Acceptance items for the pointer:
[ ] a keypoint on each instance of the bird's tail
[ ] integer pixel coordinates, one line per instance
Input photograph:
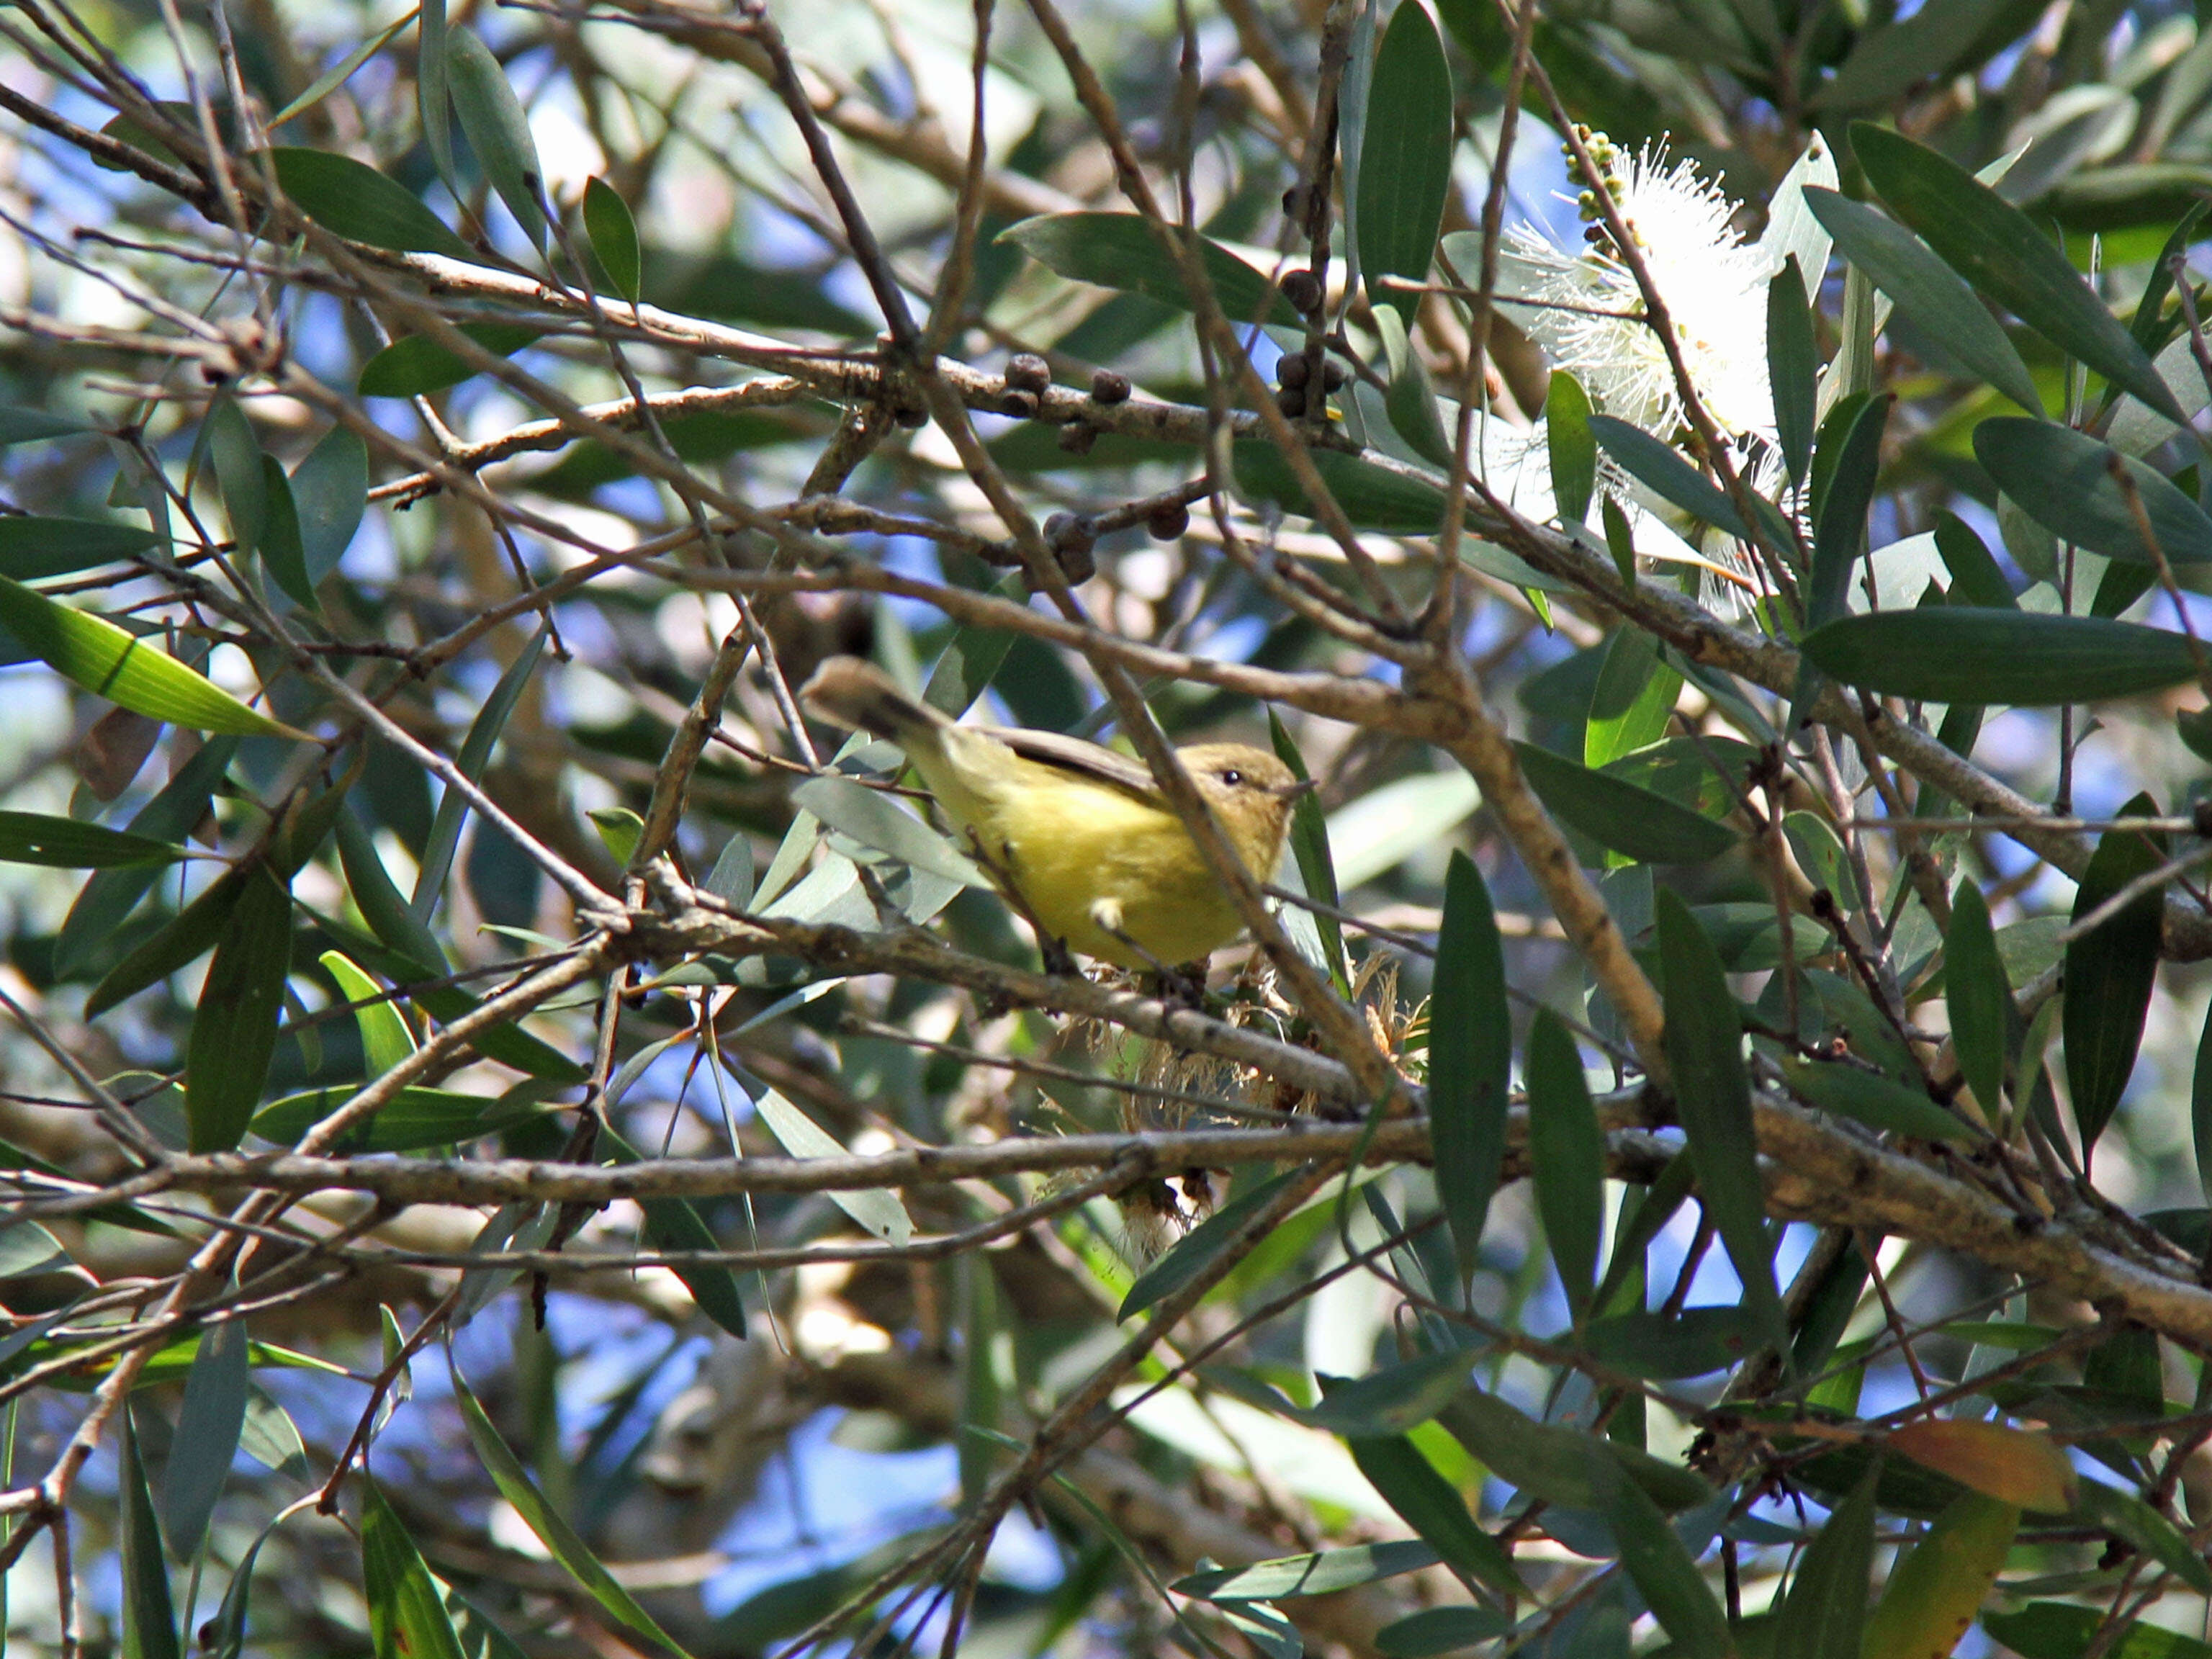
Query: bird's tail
(849, 692)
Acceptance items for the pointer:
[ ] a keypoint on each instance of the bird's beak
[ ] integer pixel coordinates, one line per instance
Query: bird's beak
(1303, 787)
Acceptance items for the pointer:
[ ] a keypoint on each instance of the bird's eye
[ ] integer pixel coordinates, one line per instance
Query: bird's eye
(1232, 777)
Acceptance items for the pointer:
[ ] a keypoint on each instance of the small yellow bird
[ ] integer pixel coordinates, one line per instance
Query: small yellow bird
(1096, 855)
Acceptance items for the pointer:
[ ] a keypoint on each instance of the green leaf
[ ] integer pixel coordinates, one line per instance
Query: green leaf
(445, 836)
(1566, 1150)
(283, 551)
(415, 1118)
(418, 365)
(1626, 817)
(115, 664)
(1703, 1041)
(874, 819)
(878, 1209)
(358, 202)
(65, 844)
(1976, 579)
(341, 72)
(2129, 1519)
(1405, 158)
(553, 1531)
(1633, 699)
(434, 102)
(329, 492)
(193, 932)
(1558, 1464)
(2063, 479)
(1825, 1609)
(2065, 1630)
(1997, 248)
(233, 1035)
(607, 222)
(239, 471)
(1126, 251)
(149, 1617)
(1428, 1503)
(1979, 997)
(2110, 972)
(385, 1042)
(1373, 496)
(1310, 847)
(1664, 1573)
(1894, 56)
(1572, 446)
(2025, 659)
(32, 547)
(1695, 1342)
(209, 1424)
(169, 816)
(1410, 399)
(1391, 1401)
(1191, 1255)
(1840, 523)
(19, 425)
(1307, 1575)
(497, 130)
(407, 1618)
(1876, 1100)
(1439, 1630)
(1658, 465)
(675, 1224)
(1927, 291)
(1793, 368)
(1470, 1057)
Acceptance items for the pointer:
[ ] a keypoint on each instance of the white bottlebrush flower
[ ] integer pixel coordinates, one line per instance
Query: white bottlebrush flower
(1584, 309)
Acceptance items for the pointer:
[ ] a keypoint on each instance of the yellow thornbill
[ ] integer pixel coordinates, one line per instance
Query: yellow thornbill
(1092, 849)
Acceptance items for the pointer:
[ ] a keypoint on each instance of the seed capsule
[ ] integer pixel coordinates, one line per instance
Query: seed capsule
(1304, 290)
(1109, 387)
(1027, 372)
(1168, 521)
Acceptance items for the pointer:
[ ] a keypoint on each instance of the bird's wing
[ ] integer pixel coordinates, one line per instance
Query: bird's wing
(1090, 759)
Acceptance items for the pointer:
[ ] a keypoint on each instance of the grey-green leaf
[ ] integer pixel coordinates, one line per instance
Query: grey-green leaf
(1307, 1575)
(1656, 464)
(607, 222)
(149, 1616)
(1567, 1149)
(355, 201)
(209, 1424)
(1876, 1100)
(65, 844)
(1979, 997)
(1405, 157)
(2024, 659)
(1927, 291)
(1998, 249)
(1793, 369)
(1626, 817)
(1125, 251)
(1825, 1609)
(329, 492)
(407, 1618)
(2110, 972)
(2063, 480)
(1703, 1040)
(32, 547)
(1470, 1057)
(497, 130)
(1573, 445)
(235, 1035)
(1428, 1503)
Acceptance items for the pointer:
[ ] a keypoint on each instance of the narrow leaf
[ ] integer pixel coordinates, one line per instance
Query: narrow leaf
(2024, 659)
(209, 1424)
(1929, 292)
(878, 1209)
(1825, 1609)
(329, 492)
(32, 547)
(1573, 445)
(1936, 1588)
(1627, 817)
(497, 130)
(149, 1617)
(607, 222)
(357, 202)
(2109, 973)
(407, 1617)
(484, 732)
(1703, 1040)
(1470, 1057)
(417, 364)
(65, 844)
(1978, 996)
(1191, 1254)
(1427, 1503)
(560, 1539)
(283, 551)
(1656, 465)
(1566, 1148)
(1876, 1100)
(2029, 1471)
(2063, 479)
(1392, 1400)
(1123, 251)
(1997, 248)
(1839, 533)
(1307, 1575)
(1439, 1630)
(1405, 157)
(675, 1224)
(234, 1033)
(1793, 368)
(112, 663)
